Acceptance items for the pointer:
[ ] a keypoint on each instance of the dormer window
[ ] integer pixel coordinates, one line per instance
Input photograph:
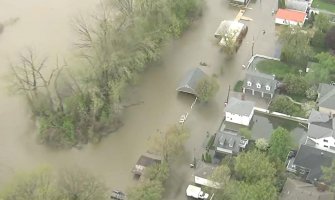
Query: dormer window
(258, 85)
(249, 83)
(267, 87)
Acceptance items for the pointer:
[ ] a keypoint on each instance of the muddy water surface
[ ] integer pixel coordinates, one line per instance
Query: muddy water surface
(47, 26)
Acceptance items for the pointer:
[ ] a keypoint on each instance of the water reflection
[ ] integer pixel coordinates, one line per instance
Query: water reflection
(263, 125)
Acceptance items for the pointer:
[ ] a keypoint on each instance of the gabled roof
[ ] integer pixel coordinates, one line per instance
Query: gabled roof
(148, 160)
(312, 158)
(190, 81)
(317, 116)
(316, 131)
(255, 77)
(326, 96)
(240, 107)
(297, 190)
(227, 141)
(291, 15)
(296, 5)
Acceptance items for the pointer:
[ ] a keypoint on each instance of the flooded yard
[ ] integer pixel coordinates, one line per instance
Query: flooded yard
(262, 125)
(47, 27)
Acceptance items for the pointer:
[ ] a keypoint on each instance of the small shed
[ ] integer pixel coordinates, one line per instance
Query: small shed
(190, 82)
(146, 160)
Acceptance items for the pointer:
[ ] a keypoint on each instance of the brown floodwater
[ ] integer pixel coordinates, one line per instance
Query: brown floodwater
(47, 27)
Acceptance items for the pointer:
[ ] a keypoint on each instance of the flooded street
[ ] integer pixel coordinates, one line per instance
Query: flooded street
(47, 26)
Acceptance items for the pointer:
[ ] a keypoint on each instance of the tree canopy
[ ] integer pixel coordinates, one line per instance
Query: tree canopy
(329, 175)
(330, 38)
(296, 46)
(207, 89)
(253, 166)
(259, 190)
(44, 184)
(296, 85)
(280, 144)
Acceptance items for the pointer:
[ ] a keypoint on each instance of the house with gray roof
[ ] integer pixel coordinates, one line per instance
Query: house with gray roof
(229, 142)
(239, 111)
(145, 160)
(296, 5)
(321, 131)
(190, 82)
(309, 160)
(297, 190)
(261, 83)
(326, 98)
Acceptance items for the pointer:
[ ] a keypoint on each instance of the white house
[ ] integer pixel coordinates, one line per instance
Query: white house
(321, 131)
(290, 17)
(239, 111)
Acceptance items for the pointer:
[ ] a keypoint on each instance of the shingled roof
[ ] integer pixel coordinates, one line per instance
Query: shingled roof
(297, 190)
(326, 96)
(312, 159)
(240, 107)
(190, 82)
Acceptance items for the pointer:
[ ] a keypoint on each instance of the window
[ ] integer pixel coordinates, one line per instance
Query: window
(249, 83)
(258, 85)
(325, 146)
(267, 87)
(325, 140)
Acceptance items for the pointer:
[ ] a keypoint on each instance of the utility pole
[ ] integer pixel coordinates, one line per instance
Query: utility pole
(228, 94)
(252, 45)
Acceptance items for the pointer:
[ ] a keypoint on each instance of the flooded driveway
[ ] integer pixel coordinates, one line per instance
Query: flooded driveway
(115, 156)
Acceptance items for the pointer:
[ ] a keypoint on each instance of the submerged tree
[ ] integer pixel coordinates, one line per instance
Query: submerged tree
(207, 88)
(171, 143)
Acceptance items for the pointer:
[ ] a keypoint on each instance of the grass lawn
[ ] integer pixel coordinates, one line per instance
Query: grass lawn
(278, 68)
(324, 5)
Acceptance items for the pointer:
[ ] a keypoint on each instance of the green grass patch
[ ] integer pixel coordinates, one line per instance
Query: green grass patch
(238, 86)
(278, 68)
(298, 98)
(324, 5)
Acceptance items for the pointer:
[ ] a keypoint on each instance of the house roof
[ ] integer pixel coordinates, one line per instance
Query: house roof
(317, 131)
(255, 77)
(326, 96)
(296, 5)
(204, 170)
(228, 26)
(291, 15)
(312, 158)
(317, 116)
(227, 141)
(240, 107)
(297, 190)
(148, 160)
(190, 81)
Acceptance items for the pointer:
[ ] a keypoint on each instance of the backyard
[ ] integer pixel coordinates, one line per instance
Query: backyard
(278, 68)
(327, 5)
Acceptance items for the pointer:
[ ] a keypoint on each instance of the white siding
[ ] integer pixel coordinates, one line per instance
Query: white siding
(325, 143)
(206, 182)
(238, 119)
(285, 22)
